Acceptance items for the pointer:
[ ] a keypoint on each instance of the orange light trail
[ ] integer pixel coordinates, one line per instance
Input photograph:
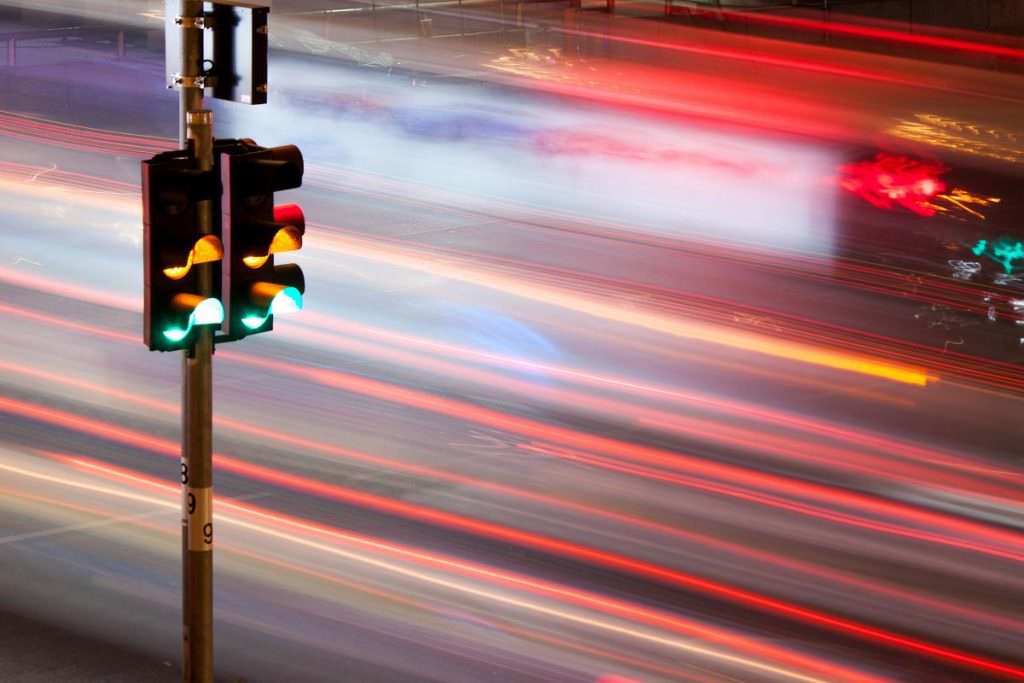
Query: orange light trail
(695, 331)
(688, 329)
(670, 459)
(21, 126)
(702, 428)
(858, 364)
(347, 330)
(863, 276)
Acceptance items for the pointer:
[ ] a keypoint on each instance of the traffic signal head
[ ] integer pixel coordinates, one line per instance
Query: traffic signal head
(173, 246)
(254, 230)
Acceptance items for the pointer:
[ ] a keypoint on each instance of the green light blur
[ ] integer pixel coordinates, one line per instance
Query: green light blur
(208, 312)
(1005, 252)
(176, 334)
(288, 300)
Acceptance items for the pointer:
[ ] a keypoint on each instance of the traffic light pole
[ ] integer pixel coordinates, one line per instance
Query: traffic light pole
(196, 130)
(183, 198)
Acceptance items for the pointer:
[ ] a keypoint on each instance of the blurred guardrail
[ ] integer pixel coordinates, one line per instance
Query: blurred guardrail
(396, 20)
(1003, 16)
(65, 36)
(962, 32)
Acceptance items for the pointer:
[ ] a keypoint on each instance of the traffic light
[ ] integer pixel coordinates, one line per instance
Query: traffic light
(173, 246)
(255, 290)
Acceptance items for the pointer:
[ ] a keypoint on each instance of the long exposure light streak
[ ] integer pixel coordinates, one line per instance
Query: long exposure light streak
(747, 56)
(672, 577)
(659, 458)
(689, 329)
(699, 428)
(30, 128)
(897, 351)
(12, 275)
(347, 329)
(475, 571)
(938, 363)
(22, 180)
(836, 25)
(529, 496)
(681, 328)
(994, 667)
(610, 398)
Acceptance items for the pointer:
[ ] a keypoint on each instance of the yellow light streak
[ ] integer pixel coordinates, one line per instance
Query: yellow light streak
(961, 199)
(962, 136)
(718, 335)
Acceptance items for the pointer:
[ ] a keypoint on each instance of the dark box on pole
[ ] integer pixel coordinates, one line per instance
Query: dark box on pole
(234, 52)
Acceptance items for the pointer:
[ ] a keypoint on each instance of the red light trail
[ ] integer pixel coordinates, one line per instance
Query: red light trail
(875, 33)
(528, 539)
(522, 494)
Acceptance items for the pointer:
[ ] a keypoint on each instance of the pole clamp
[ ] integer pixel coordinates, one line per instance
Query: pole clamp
(191, 81)
(199, 22)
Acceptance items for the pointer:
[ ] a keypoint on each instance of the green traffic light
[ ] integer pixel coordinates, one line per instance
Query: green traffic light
(287, 300)
(207, 312)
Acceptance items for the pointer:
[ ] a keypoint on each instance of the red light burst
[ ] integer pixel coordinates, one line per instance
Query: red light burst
(890, 181)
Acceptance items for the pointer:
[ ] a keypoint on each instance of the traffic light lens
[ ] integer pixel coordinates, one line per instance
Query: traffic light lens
(286, 300)
(210, 312)
(175, 334)
(207, 249)
(287, 238)
(290, 214)
(178, 272)
(207, 312)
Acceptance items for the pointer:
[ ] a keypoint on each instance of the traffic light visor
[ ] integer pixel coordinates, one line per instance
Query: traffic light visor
(207, 248)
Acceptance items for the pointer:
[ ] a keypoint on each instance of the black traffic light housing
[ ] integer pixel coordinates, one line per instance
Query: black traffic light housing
(173, 246)
(254, 230)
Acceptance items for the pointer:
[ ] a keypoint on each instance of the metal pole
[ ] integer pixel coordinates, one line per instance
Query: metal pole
(197, 458)
(190, 97)
(196, 130)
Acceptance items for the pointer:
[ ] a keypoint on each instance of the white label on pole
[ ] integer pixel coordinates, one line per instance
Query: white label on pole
(198, 509)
